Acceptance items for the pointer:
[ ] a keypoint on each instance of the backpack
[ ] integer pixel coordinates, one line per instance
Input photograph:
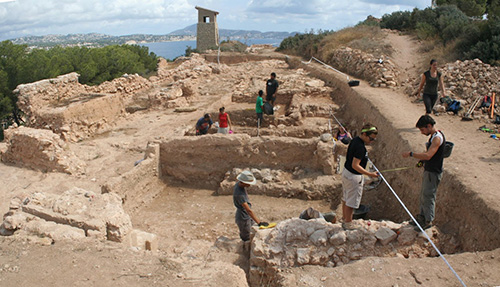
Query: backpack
(448, 146)
(454, 107)
(497, 119)
(268, 108)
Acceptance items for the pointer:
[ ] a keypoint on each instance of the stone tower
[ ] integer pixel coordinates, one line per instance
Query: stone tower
(207, 32)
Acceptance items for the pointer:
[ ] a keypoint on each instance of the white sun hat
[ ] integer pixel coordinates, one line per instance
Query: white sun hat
(246, 177)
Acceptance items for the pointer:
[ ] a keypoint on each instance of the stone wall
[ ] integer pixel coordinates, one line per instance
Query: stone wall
(297, 184)
(380, 72)
(40, 150)
(139, 185)
(296, 242)
(206, 36)
(204, 160)
(76, 111)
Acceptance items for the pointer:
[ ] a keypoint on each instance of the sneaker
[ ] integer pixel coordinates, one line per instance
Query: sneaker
(420, 219)
(425, 226)
(349, 225)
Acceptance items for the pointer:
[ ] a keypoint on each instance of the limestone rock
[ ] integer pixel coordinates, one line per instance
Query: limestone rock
(385, 235)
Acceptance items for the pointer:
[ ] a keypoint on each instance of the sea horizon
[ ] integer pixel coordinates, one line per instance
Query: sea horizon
(173, 49)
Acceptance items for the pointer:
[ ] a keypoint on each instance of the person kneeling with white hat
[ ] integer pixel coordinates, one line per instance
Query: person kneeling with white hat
(244, 216)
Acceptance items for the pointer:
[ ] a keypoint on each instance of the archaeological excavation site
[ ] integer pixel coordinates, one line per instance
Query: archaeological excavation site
(118, 168)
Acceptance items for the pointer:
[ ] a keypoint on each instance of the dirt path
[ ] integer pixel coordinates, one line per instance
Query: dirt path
(405, 55)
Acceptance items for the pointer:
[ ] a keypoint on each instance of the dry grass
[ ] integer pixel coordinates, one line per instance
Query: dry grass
(368, 39)
(434, 49)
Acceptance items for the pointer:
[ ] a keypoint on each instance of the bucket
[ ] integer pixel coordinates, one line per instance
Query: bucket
(353, 83)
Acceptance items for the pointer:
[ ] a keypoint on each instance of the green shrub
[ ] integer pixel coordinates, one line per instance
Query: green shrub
(18, 65)
(399, 20)
(425, 31)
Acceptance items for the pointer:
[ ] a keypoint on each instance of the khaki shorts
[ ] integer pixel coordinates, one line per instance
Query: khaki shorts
(352, 187)
(223, 130)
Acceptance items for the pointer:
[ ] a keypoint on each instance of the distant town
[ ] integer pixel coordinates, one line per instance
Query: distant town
(92, 40)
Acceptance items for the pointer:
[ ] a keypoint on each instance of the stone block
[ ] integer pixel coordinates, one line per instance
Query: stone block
(354, 236)
(143, 240)
(14, 221)
(338, 238)
(407, 236)
(319, 237)
(385, 235)
(303, 256)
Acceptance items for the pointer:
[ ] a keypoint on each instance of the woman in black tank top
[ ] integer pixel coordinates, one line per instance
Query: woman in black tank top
(431, 79)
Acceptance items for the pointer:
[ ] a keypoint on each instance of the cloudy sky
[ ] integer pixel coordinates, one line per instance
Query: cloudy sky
(123, 17)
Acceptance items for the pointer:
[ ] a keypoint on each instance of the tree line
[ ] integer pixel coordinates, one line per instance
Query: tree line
(468, 28)
(19, 65)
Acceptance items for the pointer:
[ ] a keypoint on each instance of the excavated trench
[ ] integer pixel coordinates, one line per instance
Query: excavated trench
(289, 149)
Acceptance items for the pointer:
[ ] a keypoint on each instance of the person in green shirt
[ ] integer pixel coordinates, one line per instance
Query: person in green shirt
(259, 108)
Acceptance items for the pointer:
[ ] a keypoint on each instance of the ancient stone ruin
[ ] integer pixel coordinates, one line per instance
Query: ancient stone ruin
(297, 242)
(41, 150)
(75, 214)
(292, 154)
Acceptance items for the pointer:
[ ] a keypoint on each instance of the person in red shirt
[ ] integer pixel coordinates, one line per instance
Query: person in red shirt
(224, 122)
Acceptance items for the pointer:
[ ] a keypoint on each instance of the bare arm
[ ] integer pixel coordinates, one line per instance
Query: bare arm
(229, 121)
(357, 167)
(436, 143)
(441, 86)
(422, 82)
(250, 212)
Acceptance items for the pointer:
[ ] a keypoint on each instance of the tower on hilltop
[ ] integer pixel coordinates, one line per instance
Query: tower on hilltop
(207, 32)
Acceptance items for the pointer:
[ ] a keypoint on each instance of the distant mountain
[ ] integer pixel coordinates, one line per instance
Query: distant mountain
(235, 34)
(100, 40)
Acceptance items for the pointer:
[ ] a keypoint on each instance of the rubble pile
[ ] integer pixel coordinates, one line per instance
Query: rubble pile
(464, 81)
(297, 242)
(73, 215)
(379, 71)
(192, 67)
(40, 150)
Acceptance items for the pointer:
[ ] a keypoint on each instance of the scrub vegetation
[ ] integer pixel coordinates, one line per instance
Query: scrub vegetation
(19, 65)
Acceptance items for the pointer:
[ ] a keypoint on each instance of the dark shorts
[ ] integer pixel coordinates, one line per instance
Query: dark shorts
(261, 117)
(244, 226)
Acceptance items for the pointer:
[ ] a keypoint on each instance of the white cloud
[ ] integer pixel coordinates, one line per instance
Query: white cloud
(85, 16)
(121, 17)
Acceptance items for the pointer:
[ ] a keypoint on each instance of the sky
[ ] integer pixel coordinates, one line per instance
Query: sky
(20, 18)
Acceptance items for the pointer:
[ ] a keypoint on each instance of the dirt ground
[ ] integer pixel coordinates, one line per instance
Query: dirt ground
(188, 221)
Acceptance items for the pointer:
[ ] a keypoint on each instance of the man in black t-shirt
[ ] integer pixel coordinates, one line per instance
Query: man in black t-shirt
(271, 89)
(433, 170)
(354, 169)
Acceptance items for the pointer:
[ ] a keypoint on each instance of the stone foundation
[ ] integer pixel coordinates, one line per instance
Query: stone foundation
(40, 150)
(206, 159)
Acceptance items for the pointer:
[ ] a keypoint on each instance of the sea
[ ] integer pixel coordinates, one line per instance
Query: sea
(174, 49)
